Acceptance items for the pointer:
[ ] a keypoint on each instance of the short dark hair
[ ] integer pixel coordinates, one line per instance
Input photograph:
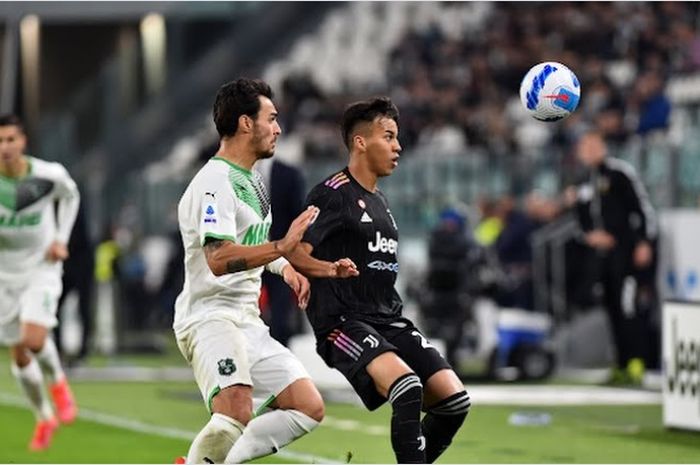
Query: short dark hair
(366, 111)
(10, 119)
(236, 98)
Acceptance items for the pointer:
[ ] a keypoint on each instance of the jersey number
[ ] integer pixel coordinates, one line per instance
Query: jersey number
(423, 341)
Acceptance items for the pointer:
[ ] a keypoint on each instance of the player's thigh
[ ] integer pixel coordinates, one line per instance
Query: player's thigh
(417, 351)
(279, 378)
(9, 315)
(217, 351)
(350, 348)
(39, 300)
(385, 370)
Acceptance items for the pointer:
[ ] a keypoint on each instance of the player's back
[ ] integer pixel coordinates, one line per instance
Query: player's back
(356, 223)
(222, 202)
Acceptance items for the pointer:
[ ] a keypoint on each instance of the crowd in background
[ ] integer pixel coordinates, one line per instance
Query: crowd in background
(460, 93)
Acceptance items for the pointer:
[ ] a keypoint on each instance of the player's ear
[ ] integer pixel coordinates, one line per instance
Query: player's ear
(359, 142)
(245, 123)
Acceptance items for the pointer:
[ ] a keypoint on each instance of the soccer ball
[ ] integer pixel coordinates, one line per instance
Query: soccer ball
(550, 91)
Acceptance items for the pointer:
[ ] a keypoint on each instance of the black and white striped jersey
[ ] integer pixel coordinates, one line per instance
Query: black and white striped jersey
(357, 224)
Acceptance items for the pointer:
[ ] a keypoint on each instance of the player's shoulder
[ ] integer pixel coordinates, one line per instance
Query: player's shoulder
(335, 185)
(45, 168)
(214, 172)
(337, 182)
(621, 167)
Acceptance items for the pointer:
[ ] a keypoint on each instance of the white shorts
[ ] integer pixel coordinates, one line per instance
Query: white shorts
(35, 302)
(224, 353)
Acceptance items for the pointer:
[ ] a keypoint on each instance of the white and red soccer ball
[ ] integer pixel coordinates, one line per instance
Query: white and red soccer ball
(550, 91)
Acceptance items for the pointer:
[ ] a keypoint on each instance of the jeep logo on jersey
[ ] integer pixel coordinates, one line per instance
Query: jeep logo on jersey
(383, 245)
(226, 367)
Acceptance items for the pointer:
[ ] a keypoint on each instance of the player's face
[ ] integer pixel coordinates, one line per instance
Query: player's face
(12, 143)
(383, 147)
(266, 129)
(591, 150)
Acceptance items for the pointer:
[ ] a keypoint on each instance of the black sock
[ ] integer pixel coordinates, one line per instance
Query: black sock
(442, 422)
(406, 397)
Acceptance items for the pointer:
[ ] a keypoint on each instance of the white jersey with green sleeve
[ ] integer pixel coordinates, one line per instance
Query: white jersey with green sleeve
(223, 201)
(35, 211)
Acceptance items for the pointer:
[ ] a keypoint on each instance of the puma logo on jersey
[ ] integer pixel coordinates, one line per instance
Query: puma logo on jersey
(383, 245)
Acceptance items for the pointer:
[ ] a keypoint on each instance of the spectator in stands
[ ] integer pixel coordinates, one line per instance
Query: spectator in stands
(515, 254)
(653, 106)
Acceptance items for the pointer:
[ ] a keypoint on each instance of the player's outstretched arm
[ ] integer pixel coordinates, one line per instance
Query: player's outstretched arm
(224, 256)
(309, 266)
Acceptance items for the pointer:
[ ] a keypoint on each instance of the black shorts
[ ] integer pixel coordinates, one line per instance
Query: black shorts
(353, 344)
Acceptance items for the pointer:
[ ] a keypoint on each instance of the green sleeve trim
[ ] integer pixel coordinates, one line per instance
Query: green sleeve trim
(221, 237)
(234, 166)
(264, 405)
(210, 400)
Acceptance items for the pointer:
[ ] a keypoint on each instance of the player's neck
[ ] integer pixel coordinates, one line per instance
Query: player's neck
(237, 153)
(363, 175)
(15, 168)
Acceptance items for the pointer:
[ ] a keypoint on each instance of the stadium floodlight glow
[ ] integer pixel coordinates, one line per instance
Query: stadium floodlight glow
(30, 35)
(153, 43)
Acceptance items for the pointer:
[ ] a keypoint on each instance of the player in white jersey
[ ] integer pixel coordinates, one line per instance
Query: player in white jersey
(38, 205)
(224, 218)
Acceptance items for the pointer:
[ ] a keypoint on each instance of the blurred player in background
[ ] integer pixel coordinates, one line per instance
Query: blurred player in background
(358, 324)
(620, 224)
(225, 218)
(38, 205)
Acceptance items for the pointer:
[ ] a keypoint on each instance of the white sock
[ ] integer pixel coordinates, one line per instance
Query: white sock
(50, 361)
(32, 383)
(269, 432)
(215, 439)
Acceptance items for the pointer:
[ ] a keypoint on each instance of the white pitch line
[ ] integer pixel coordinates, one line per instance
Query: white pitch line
(162, 431)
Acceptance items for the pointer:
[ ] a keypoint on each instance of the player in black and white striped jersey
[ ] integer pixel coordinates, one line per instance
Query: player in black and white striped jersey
(358, 322)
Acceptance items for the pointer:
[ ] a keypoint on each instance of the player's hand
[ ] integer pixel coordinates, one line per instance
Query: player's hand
(601, 240)
(344, 268)
(298, 283)
(56, 252)
(642, 254)
(296, 230)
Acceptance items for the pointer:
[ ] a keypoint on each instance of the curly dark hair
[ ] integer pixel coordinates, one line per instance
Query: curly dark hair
(236, 98)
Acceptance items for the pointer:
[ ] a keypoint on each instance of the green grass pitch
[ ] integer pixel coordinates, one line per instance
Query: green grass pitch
(134, 423)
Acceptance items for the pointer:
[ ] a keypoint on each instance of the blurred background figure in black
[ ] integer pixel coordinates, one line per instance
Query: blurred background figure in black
(78, 277)
(287, 193)
(445, 301)
(620, 225)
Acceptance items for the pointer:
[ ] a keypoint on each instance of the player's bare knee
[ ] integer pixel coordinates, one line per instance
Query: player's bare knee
(314, 409)
(20, 356)
(33, 340)
(303, 397)
(234, 402)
